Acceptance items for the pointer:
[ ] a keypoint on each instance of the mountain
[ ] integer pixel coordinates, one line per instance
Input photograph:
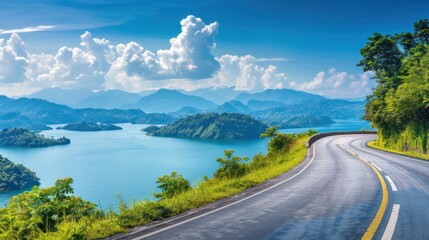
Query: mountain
(68, 97)
(165, 101)
(286, 96)
(40, 111)
(256, 105)
(211, 126)
(334, 109)
(186, 111)
(217, 95)
(109, 99)
(231, 107)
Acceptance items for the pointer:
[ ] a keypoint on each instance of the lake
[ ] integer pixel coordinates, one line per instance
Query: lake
(126, 163)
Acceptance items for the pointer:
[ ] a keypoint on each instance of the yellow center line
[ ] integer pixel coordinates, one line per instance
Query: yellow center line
(369, 234)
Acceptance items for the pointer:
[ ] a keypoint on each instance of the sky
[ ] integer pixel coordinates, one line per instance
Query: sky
(132, 45)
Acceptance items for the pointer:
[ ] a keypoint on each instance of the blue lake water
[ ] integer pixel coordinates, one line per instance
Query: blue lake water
(127, 162)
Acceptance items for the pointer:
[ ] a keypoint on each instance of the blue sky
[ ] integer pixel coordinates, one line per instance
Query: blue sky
(304, 40)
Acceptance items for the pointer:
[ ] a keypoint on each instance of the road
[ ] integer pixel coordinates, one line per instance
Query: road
(336, 193)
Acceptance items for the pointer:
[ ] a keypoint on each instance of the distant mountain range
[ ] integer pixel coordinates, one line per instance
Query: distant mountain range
(165, 101)
(36, 113)
(284, 107)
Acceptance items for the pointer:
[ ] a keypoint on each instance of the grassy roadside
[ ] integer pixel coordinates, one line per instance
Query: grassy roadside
(422, 156)
(283, 154)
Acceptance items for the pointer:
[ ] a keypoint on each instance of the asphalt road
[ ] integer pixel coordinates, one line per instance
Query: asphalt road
(331, 195)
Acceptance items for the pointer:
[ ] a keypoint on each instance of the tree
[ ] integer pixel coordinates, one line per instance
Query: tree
(42, 209)
(270, 132)
(399, 106)
(171, 185)
(382, 55)
(231, 166)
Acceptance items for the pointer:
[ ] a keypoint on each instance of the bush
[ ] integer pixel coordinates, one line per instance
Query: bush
(171, 185)
(231, 166)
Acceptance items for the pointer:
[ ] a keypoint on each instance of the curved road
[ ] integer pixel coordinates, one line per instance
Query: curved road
(333, 194)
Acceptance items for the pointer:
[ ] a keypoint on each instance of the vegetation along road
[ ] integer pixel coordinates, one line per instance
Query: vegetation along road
(343, 190)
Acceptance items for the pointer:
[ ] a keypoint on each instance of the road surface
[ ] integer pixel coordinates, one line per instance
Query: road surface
(336, 193)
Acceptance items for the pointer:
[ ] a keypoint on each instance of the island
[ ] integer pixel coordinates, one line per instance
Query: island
(20, 137)
(89, 127)
(211, 126)
(16, 176)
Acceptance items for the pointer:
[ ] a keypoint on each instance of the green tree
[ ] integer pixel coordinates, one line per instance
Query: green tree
(231, 166)
(270, 132)
(42, 209)
(171, 185)
(399, 105)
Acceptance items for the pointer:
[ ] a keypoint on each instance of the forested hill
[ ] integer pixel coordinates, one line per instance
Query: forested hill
(15, 176)
(399, 106)
(32, 113)
(212, 126)
(20, 137)
(89, 127)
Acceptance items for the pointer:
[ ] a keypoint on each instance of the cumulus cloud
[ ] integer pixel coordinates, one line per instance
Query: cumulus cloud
(98, 64)
(13, 60)
(245, 74)
(189, 57)
(338, 84)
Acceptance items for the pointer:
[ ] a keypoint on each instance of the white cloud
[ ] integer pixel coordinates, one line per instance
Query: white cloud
(13, 60)
(338, 84)
(189, 57)
(97, 64)
(277, 59)
(245, 74)
(27, 29)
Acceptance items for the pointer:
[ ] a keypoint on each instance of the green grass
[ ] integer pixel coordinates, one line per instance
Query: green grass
(419, 155)
(143, 212)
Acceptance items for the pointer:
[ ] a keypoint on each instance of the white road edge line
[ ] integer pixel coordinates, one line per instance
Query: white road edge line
(231, 204)
(379, 169)
(390, 228)
(392, 184)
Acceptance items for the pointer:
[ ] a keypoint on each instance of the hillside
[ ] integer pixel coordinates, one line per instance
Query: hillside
(217, 95)
(89, 127)
(165, 101)
(211, 126)
(334, 109)
(286, 96)
(68, 97)
(43, 112)
(16, 176)
(19, 137)
(109, 99)
(399, 106)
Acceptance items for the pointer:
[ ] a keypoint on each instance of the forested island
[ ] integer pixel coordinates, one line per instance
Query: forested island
(20, 137)
(15, 176)
(89, 127)
(399, 106)
(211, 126)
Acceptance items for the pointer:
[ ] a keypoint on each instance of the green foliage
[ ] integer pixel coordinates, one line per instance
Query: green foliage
(399, 106)
(280, 143)
(171, 185)
(41, 210)
(53, 213)
(141, 212)
(311, 132)
(24, 138)
(16, 176)
(270, 132)
(86, 126)
(213, 126)
(231, 166)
